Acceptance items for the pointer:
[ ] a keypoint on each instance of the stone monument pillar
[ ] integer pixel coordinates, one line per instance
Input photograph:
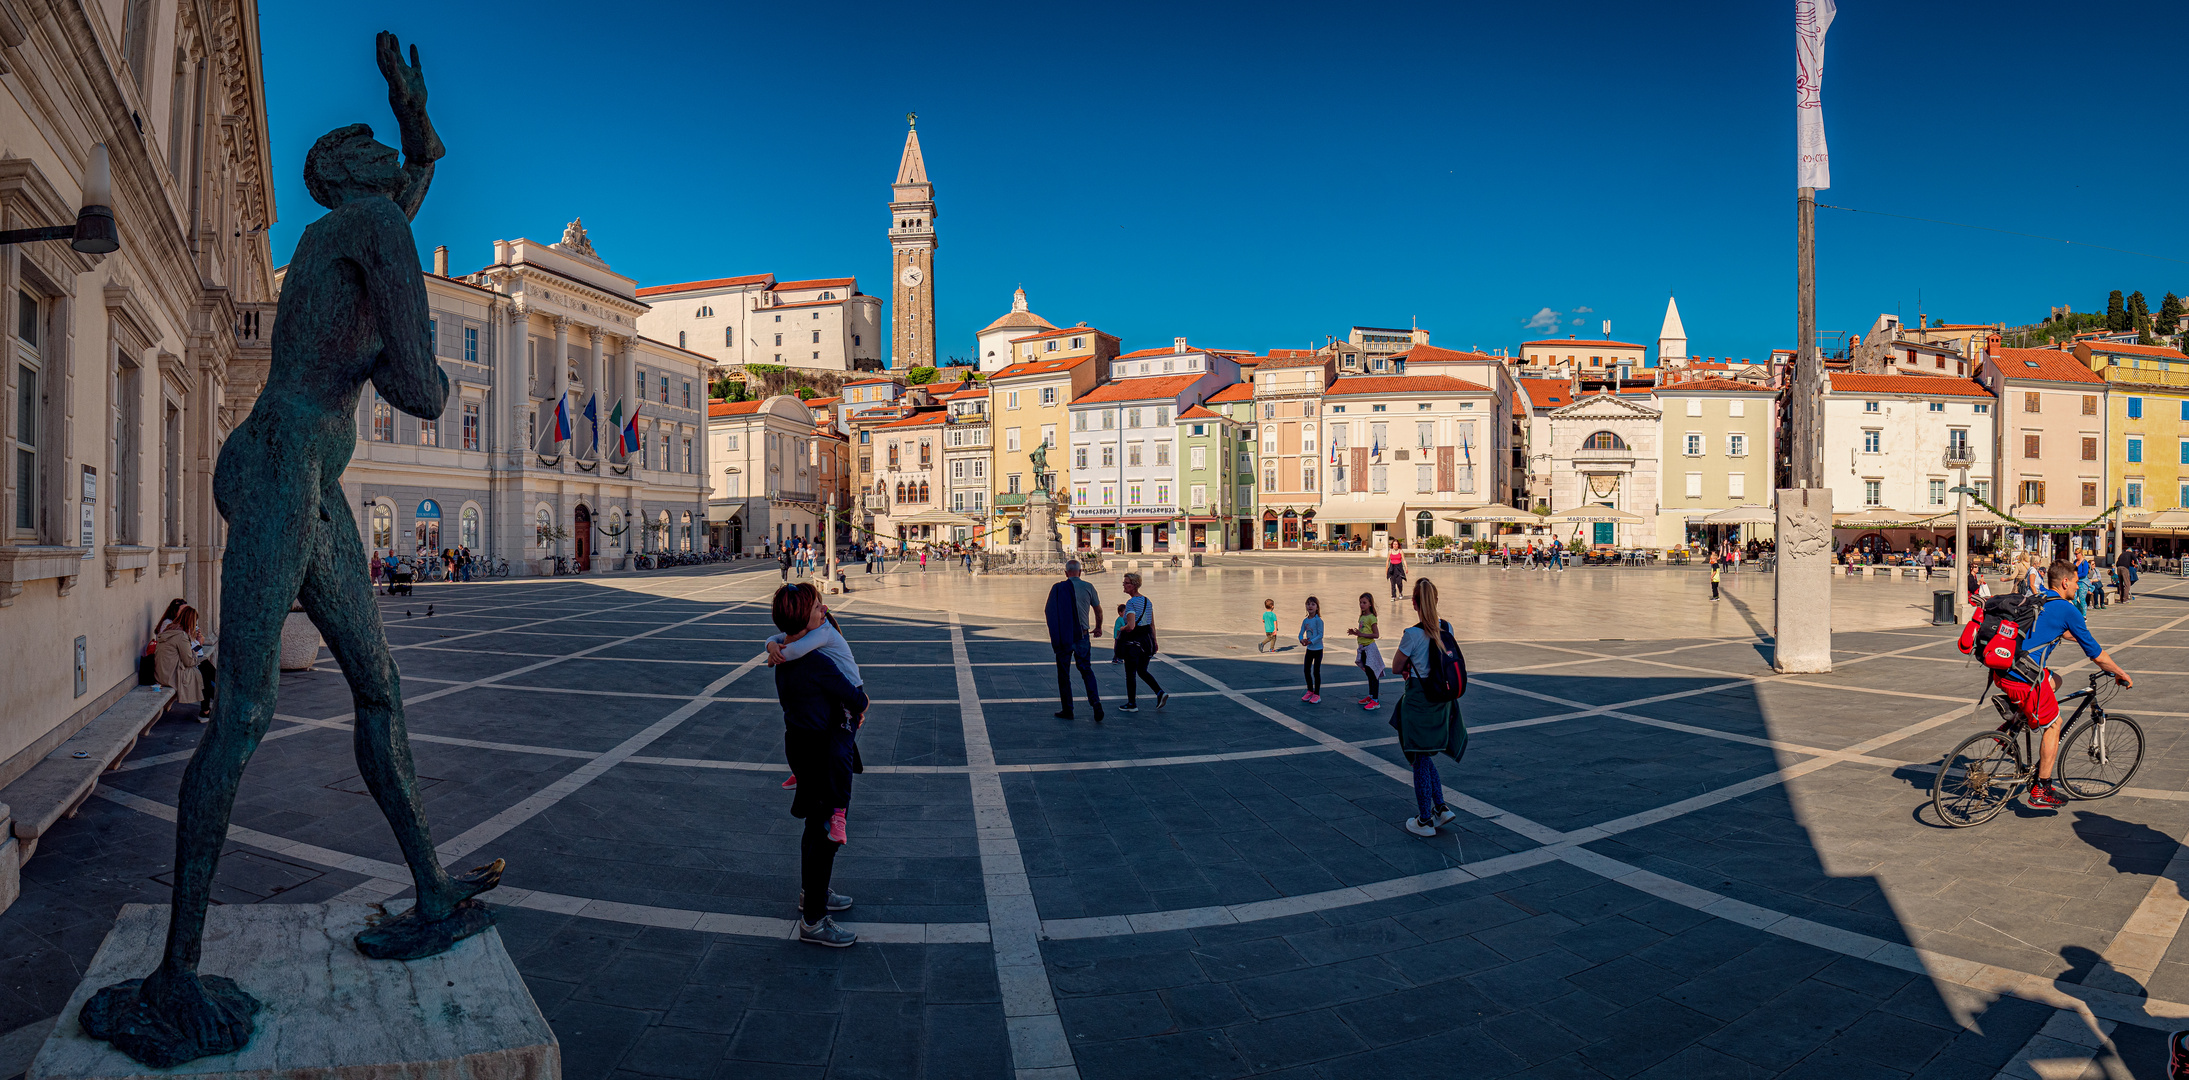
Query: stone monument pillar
(1802, 608)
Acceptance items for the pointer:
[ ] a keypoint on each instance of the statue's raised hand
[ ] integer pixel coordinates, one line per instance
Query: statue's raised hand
(406, 82)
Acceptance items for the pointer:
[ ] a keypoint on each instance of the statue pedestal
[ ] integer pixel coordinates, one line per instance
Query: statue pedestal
(329, 1011)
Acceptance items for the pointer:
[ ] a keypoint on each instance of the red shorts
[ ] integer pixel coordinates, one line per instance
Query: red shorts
(2038, 700)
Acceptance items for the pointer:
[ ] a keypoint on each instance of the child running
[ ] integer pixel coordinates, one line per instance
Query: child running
(1365, 654)
(1117, 633)
(1269, 626)
(828, 641)
(1311, 642)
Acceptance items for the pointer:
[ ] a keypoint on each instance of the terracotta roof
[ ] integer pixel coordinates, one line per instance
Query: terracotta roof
(1167, 350)
(1040, 367)
(1304, 360)
(804, 303)
(918, 419)
(1716, 385)
(870, 382)
(943, 389)
(822, 402)
(1575, 343)
(732, 408)
(1285, 354)
(1235, 392)
(1851, 384)
(1065, 331)
(1144, 389)
(2138, 350)
(2050, 364)
(976, 392)
(1403, 384)
(1431, 354)
(817, 283)
(1545, 394)
(710, 283)
(1199, 412)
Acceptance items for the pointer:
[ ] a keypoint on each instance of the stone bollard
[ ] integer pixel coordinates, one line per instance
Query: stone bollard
(299, 641)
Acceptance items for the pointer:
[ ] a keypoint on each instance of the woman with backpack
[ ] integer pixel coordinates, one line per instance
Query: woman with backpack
(1427, 726)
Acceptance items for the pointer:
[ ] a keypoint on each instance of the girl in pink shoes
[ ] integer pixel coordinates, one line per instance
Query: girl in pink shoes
(1311, 645)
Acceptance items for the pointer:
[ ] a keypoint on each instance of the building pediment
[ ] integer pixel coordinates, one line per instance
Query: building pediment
(1605, 407)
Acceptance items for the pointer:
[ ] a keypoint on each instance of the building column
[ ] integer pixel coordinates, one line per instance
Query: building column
(594, 384)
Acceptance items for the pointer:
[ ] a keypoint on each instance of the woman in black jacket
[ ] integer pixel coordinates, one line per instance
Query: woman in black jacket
(822, 712)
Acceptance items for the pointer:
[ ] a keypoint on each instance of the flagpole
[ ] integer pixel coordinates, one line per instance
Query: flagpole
(1805, 454)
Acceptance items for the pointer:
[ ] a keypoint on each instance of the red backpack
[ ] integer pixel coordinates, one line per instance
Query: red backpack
(1995, 633)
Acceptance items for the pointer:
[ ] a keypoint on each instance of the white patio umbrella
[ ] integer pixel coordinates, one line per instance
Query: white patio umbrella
(1746, 514)
(939, 517)
(1876, 517)
(1596, 514)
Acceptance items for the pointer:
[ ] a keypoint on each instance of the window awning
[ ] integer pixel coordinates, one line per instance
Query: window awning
(719, 513)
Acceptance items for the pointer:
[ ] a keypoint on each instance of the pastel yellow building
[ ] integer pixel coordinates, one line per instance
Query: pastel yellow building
(1028, 403)
(2148, 430)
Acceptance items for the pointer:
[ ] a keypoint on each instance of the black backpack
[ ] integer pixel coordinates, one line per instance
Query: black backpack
(2003, 624)
(1446, 679)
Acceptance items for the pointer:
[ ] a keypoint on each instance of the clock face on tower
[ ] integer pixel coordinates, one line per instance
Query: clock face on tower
(912, 275)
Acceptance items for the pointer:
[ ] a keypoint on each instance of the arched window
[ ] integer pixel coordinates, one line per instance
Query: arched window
(383, 527)
(828, 296)
(684, 534)
(542, 523)
(900, 491)
(923, 491)
(704, 312)
(680, 339)
(729, 336)
(661, 532)
(615, 529)
(467, 532)
(1424, 525)
(1604, 440)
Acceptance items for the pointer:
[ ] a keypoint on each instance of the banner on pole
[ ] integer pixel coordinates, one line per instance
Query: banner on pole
(1811, 19)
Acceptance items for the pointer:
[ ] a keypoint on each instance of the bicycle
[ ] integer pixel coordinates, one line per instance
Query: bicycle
(2098, 756)
(496, 567)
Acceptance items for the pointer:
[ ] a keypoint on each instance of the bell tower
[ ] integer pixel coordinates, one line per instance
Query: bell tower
(912, 258)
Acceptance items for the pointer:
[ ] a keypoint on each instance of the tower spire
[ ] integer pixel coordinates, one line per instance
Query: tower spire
(911, 169)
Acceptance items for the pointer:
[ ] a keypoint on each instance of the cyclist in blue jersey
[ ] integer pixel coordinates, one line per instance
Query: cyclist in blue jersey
(2039, 700)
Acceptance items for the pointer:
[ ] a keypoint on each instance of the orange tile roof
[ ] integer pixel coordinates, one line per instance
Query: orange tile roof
(817, 283)
(1284, 354)
(1403, 384)
(976, 392)
(1142, 389)
(2139, 350)
(1199, 412)
(732, 408)
(803, 303)
(710, 283)
(1575, 343)
(1432, 354)
(1065, 332)
(1142, 354)
(822, 402)
(918, 419)
(871, 382)
(1238, 391)
(1304, 360)
(2049, 364)
(1040, 367)
(1547, 395)
(1726, 384)
(1849, 383)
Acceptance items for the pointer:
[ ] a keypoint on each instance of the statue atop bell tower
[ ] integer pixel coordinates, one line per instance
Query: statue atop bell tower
(912, 259)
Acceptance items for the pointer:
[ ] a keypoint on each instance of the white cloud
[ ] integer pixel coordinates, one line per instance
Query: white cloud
(1545, 319)
(1584, 311)
(1577, 322)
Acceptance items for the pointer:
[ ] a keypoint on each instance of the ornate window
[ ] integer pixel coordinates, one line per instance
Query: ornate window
(1604, 440)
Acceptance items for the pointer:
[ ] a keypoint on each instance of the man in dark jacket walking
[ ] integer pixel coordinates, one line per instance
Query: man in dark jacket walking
(1071, 602)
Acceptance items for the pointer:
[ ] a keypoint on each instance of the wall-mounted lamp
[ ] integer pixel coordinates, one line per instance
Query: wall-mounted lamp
(94, 232)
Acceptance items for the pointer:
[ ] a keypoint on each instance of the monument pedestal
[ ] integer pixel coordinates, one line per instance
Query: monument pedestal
(1801, 639)
(329, 1012)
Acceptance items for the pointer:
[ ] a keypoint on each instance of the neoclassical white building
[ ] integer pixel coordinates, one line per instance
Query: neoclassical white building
(825, 324)
(544, 323)
(1604, 452)
(771, 477)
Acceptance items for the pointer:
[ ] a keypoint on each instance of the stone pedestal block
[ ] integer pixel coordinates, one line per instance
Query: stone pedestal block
(1802, 636)
(329, 1012)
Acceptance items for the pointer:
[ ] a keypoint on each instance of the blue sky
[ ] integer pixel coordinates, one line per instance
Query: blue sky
(1260, 175)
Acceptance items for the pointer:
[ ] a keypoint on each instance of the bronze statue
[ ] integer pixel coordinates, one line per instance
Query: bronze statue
(353, 309)
(1040, 458)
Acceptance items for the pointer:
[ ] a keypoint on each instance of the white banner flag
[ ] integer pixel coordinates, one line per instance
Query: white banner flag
(1811, 19)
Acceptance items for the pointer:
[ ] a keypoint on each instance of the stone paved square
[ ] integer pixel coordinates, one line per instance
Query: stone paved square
(1670, 861)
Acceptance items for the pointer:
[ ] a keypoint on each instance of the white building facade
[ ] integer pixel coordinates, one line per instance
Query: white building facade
(545, 323)
(825, 324)
(1406, 450)
(767, 482)
(1887, 440)
(992, 346)
(967, 456)
(1604, 453)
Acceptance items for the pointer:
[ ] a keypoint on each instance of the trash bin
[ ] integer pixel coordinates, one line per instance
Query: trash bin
(1941, 608)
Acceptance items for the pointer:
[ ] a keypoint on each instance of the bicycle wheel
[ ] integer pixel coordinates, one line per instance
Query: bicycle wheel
(1977, 780)
(2097, 758)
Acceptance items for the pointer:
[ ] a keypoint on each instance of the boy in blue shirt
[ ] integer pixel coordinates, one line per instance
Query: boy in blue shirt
(2039, 700)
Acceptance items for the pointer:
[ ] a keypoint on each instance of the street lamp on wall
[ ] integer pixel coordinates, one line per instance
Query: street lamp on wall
(94, 232)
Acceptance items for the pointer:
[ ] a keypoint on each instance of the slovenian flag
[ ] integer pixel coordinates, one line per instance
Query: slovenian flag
(630, 433)
(592, 423)
(562, 418)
